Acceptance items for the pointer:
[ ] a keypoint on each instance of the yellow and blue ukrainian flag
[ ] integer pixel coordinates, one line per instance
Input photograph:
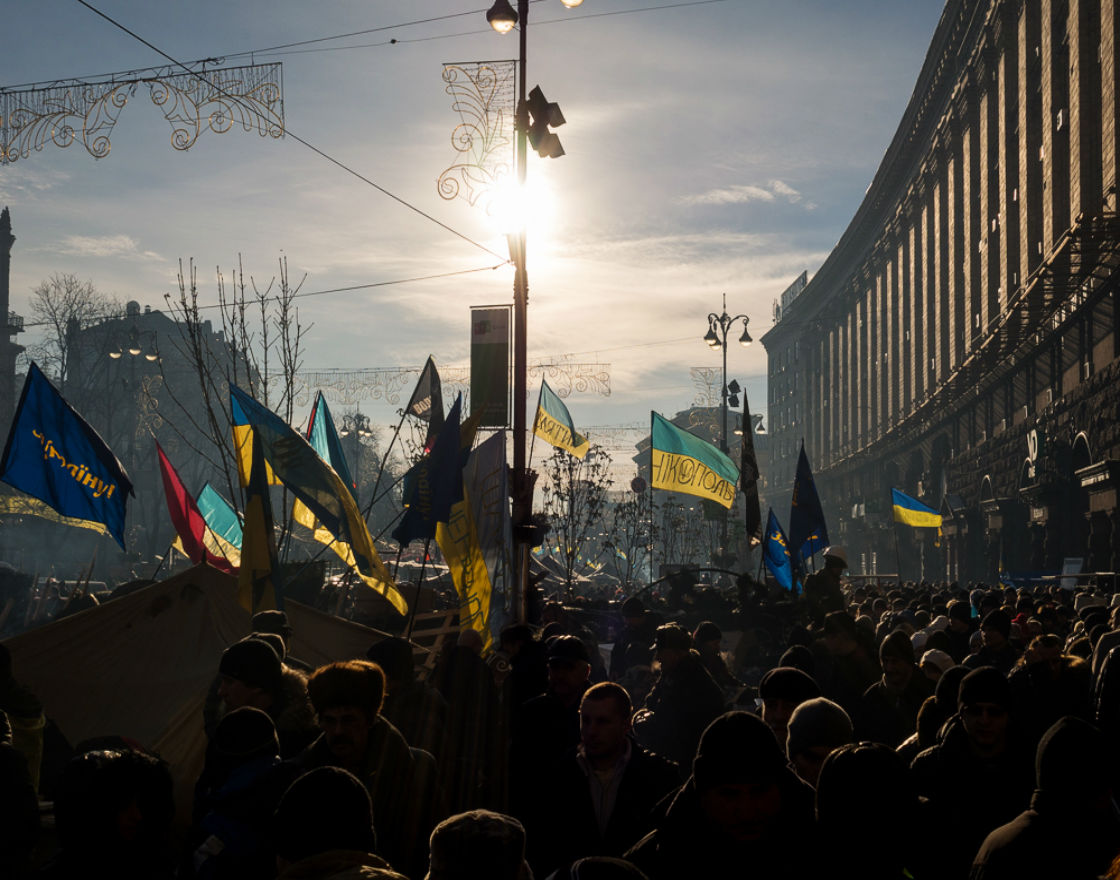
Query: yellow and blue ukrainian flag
(682, 462)
(911, 512)
(554, 424)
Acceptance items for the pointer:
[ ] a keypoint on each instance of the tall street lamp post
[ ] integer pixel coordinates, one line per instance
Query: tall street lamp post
(502, 18)
(716, 337)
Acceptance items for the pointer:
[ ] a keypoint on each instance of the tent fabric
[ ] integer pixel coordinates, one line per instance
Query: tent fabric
(140, 666)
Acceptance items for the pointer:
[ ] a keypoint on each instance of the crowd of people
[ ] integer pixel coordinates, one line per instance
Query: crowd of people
(902, 732)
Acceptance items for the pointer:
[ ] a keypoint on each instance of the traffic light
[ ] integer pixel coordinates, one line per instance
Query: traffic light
(542, 115)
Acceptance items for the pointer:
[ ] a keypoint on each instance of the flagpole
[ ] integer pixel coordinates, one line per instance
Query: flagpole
(897, 552)
(167, 553)
(533, 439)
(373, 499)
(419, 584)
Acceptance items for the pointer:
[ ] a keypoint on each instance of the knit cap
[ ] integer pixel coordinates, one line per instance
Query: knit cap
(897, 645)
(253, 662)
(818, 722)
(246, 733)
(737, 748)
(999, 621)
(985, 685)
(787, 683)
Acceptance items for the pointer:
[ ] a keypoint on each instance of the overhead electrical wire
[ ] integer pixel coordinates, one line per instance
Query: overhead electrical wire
(300, 140)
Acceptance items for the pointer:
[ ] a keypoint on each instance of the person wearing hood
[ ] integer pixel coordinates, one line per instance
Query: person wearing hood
(977, 776)
(743, 811)
(1071, 829)
(682, 703)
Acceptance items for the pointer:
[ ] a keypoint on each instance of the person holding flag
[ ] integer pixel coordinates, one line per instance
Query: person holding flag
(823, 589)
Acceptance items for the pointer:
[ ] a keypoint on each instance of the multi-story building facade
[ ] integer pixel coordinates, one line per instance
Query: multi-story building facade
(961, 341)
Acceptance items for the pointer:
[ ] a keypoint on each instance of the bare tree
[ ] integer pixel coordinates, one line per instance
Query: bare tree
(575, 495)
(63, 306)
(629, 536)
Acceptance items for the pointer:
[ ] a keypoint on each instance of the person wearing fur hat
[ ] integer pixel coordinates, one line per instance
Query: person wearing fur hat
(997, 650)
(977, 775)
(742, 811)
(1070, 828)
(888, 712)
(684, 700)
(347, 697)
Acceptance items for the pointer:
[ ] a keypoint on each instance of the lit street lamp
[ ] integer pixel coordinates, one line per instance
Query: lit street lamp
(716, 337)
(503, 18)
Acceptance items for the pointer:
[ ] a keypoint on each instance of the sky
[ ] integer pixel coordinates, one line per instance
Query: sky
(712, 148)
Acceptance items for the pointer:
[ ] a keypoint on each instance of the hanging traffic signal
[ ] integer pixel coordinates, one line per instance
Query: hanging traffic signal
(542, 115)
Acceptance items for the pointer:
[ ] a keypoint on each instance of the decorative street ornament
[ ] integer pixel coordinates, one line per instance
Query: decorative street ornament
(213, 98)
(484, 96)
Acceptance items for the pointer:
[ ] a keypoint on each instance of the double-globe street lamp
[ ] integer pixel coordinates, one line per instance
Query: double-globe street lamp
(502, 18)
(716, 337)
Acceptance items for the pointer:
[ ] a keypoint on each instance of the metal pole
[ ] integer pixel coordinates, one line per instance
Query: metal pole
(522, 489)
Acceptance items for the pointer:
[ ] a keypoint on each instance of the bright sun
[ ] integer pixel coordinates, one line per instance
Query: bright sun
(534, 207)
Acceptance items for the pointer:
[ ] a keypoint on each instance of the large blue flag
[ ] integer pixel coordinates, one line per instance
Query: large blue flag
(324, 439)
(775, 553)
(54, 455)
(807, 531)
(434, 484)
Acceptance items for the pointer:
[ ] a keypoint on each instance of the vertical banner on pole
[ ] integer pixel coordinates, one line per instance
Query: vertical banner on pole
(490, 365)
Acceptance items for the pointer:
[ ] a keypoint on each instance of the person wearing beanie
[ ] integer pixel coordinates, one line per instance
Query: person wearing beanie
(934, 664)
(816, 728)
(708, 638)
(276, 622)
(960, 629)
(782, 690)
(852, 666)
(997, 650)
(800, 657)
(323, 827)
(479, 843)
(861, 786)
(347, 697)
(684, 700)
(1070, 828)
(742, 809)
(977, 775)
(888, 711)
(234, 799)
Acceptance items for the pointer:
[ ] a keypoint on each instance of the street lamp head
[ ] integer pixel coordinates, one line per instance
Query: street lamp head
(116, 353)
(745, 339)
(571, 4)
(502, 16)
(711, 338)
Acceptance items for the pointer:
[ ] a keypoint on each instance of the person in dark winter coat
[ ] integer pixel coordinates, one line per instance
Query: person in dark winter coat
(851, 667)
(638, 628)
(683, 702)
(977, 776)
(19, 808)
(600, 800)
(323, 830)
(234, 800)
(997, 650)
(548, 726)
(742, 811)
(418, 711)
(708, 638)
(1047, 684)
(865, 786)
(1071, 828)
(888, 712)
(347, 697)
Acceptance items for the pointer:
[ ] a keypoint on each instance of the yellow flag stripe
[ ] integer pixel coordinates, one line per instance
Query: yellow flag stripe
(681, 473)
(558, 434)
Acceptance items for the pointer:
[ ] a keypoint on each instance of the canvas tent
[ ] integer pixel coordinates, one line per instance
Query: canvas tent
(140, 666)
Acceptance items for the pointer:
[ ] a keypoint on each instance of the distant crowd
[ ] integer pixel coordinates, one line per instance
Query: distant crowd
(893, 732)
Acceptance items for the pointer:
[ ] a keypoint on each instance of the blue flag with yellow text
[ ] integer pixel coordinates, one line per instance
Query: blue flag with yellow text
(808, 533)
(775, 553)
(54, 455)
(434, 484)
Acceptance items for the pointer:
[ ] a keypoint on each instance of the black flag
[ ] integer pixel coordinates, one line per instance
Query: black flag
(426, 402)
(748, 479)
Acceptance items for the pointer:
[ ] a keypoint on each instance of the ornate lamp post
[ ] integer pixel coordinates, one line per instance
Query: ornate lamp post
(357, 425)
(716, 337)
(503, 18)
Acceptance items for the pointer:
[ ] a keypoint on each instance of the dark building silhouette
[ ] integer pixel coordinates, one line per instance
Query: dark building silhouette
(960, 343)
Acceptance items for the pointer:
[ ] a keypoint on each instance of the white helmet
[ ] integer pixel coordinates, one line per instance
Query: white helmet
(837, 552)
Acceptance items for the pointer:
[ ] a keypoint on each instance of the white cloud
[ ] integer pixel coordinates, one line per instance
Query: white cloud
(124, 246)
(743, 193)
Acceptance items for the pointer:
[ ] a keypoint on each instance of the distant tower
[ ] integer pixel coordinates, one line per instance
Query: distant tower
(10, 325)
